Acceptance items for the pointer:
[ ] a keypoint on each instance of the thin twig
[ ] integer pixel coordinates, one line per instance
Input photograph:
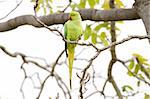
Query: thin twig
(84, 74)
(124, 64)
(12, 10)
(70, 1)
(54, 65)
(143, 69)
(42, 87)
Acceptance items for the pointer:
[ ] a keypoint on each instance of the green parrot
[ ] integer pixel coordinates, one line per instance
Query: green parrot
(72, 32)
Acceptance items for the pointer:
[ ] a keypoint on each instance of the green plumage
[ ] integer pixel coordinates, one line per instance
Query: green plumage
(72, 31)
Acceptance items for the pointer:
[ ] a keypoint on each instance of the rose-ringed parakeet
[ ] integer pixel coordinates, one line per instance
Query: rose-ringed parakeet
(72, 31)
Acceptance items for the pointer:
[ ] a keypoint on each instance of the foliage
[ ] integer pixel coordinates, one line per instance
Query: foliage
(137, 64)
(147, 96)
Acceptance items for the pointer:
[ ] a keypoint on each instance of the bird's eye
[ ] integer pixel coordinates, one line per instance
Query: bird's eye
(72, 14)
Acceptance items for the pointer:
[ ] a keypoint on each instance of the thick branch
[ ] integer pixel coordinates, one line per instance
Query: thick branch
(87, 14)
(143, 9)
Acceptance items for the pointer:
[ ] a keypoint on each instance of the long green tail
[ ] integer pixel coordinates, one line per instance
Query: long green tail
(70, 59)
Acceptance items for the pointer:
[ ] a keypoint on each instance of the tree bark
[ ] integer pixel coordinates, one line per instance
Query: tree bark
(61, 18)
(143, 9)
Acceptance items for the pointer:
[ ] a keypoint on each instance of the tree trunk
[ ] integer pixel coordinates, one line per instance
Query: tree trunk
(143, 9)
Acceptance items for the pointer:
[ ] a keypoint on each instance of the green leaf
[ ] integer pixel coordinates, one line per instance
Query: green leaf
(51, 11)
(73, 6)
(119, 3)
(87, 32)
(46, 1)
(32, 0)
(106, 5)
(147, 64)
(117, 28)
(120, 22)
(92, 3)
(94, 38)
(98, 27)
(137, 67)
(127, 88)
(140, 58)
(148, 70)
(140, 76)
(97, 1)
(129, 73)
(48, 4)
(44, 10)
(138, 83)
(146, 96)
(131, 65)
(103, 25)
(40, 2)
(82, 4)
(37, 8)
(103, 38)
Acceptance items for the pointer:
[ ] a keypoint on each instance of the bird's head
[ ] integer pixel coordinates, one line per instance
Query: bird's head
(74, 15)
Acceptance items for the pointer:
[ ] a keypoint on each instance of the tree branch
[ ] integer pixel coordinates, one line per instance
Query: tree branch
(113, 54)
(59, 80)
(124, 64)
(61, 18)
(143, 9)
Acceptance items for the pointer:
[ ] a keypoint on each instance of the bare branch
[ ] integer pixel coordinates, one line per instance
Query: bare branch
(11, 10)
(84, 74)
(125, 40)
(92, 94)
(42, 87)
(70, 1)
(25, 60)
(54, 65)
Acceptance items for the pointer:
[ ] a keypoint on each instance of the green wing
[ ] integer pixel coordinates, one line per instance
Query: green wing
(65, 30)
(65, 35)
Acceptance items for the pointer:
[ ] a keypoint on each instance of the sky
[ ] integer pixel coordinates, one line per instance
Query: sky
(39, 42)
